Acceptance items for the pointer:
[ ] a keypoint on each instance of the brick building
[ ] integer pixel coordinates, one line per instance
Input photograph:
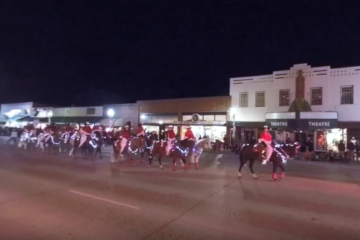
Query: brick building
(207, 115)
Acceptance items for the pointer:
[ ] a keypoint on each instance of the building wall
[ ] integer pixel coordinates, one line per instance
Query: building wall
(26, 106)
(78, 111)
(186, 105)
(329, 79)
(125, 112)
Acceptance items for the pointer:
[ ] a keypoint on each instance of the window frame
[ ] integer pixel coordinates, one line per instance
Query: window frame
(247, 99)
(341, 94)
(311, 96)
(256, 94)
(280, 98)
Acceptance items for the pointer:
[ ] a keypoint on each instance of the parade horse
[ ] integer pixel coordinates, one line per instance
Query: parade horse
(255, 151)
(97, 141)
(86, 148)
(200, 146)
(291, 149)
(65, 144)
(51, 142)
(131, 149)
(28, 139)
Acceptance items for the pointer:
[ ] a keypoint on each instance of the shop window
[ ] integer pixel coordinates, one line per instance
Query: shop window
(284, 97)
(90, 111)
(244, 102)
(260, 99)
(209, 118)
(316, 96)
(220, 118)
(347, 94)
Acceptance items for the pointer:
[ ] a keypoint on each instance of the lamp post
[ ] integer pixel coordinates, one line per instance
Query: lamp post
(49, 115)
(110, 114)
(232, 113)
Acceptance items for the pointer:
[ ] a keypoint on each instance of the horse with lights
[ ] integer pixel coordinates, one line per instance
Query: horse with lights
(200, 146)
(50, 140)
(28, 138)
(126, 147)
(255, 151)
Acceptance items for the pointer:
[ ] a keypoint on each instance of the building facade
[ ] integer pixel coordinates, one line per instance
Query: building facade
(20, 114)
(117, 115)
(320, 101)
(207, 116)
(77, 115)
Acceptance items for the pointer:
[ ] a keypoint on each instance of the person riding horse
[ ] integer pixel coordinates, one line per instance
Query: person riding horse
(170, 139)
(189, 139)
(96, 128)
(85, 133)
(267, 139)
(125, 136)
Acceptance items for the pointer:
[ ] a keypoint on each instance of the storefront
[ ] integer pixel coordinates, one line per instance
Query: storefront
(20, 114)
(116, 116)
(76, 116)
(206, 116)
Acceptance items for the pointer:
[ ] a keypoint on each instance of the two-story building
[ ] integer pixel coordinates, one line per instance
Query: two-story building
(316, 102)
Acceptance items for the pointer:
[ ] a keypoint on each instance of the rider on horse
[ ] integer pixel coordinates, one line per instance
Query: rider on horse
(85, 133)
(125, 136)
(68, 129)
(267, 139)
(170, 139)
(96, 128)
(190, 138)
(140, 131)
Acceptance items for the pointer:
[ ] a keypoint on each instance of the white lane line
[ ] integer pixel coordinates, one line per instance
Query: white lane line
(103, 199)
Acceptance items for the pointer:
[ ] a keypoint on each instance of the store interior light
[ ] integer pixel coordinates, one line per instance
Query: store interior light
(49, 114)
(161, 122)
(143, 116)
(110, 113)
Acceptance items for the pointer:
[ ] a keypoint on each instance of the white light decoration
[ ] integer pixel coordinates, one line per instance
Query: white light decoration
(13, 112)
(143, 116)
(232, 112)
(49, 114)
(110, 113)
(161, 122)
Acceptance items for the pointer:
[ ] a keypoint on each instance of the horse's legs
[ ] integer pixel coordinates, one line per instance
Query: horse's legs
(99, 150)
(281, 166)
(242, 163)
(196, 160)
(150, 158)
(252, 169)
(174, 164)
(160, 165)
(275, 166)
(184, 162)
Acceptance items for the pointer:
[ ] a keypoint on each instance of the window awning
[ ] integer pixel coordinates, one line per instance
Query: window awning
(75, 119)
(31, 119)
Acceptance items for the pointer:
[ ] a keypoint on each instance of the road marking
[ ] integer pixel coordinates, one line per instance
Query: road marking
(217, 158)
(104, 199)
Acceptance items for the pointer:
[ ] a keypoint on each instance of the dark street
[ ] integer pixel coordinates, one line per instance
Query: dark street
(54, 197)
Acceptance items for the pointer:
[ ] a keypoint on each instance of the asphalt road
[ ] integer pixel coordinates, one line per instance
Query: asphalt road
(54, 197)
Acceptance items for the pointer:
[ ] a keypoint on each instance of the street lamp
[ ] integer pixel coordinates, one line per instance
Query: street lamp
(110, 114)
(232, 112)
(49, 115)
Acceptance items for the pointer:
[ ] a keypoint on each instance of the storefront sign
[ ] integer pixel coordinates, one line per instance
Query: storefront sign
(281, 123)
(195, 118)
(201, 122)
(318, 123)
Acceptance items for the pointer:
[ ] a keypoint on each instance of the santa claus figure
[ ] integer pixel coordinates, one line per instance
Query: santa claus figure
(125, 136)
(170, 139)
(68, 129)
(267, 139)
(190, 138)
(140, 131)
(96, 128)
(85, 133)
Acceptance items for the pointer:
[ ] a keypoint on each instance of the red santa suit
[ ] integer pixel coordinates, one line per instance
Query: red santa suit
(96, 129)
(68, 129)
(170, 140)
(267, 139)
(189, 135)
(85, 133)
(140, 132)
(125, 136)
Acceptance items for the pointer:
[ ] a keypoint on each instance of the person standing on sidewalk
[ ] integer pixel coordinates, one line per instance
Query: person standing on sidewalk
(13, 136)
(351, 148)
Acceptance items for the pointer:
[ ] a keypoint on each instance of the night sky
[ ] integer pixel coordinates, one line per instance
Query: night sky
(95, 52)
